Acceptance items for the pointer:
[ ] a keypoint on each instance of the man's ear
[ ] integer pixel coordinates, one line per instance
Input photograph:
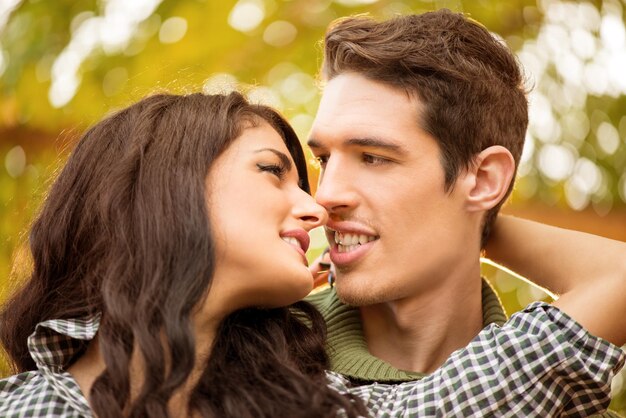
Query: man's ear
(488, 179)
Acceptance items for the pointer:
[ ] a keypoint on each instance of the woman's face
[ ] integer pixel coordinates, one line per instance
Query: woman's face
(260, 220)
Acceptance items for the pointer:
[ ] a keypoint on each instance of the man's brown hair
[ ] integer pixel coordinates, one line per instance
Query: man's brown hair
(469, 83)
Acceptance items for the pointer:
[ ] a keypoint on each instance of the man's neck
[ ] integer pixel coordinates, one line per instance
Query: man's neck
(419, 333)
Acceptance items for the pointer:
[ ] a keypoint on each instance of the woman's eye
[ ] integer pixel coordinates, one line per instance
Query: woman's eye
(370, 159)
(275, 169)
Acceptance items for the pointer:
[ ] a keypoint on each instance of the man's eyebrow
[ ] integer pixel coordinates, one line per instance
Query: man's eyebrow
(375, 143)
(286, 162)
(364, 142)
(314, 143)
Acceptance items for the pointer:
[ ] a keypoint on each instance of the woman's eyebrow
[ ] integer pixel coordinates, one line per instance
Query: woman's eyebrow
(284, 159)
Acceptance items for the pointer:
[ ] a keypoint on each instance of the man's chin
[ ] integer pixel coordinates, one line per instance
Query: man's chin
(354, 292)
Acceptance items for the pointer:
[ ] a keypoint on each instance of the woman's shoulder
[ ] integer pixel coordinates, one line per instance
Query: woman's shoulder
(13, 387)
(31, 394)
(23, 392)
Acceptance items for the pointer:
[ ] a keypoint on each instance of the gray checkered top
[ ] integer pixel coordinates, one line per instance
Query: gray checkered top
(541, 363)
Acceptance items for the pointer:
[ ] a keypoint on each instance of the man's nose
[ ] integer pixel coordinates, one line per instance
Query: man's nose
(336, 188)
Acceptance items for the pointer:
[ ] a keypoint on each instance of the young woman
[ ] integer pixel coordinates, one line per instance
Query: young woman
(168, 262)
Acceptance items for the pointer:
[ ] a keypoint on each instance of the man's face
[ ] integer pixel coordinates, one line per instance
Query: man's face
(394, 230)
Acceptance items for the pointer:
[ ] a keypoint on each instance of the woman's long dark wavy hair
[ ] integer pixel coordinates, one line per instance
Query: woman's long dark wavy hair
(124, 232)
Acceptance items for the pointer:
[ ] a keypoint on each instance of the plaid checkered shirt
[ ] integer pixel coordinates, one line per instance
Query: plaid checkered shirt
(541, 363)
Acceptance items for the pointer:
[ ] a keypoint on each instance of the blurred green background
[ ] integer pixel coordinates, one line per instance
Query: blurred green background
(64, 64)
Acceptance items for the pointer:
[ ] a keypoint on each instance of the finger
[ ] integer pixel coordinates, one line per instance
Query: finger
(320, 264)
(320, 279)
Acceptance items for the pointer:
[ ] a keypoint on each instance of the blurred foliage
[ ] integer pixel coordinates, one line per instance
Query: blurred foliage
(65, 64)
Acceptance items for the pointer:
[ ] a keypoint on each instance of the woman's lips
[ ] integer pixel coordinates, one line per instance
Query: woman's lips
(299, 239)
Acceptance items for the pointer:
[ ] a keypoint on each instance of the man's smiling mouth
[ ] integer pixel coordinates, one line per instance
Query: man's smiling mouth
(347, 242)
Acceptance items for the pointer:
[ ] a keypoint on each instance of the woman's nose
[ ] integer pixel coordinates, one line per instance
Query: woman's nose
(309, 212)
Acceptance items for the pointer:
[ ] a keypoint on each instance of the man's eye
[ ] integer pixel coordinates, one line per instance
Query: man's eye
(370, 159)
(275, 169)
(321, 161)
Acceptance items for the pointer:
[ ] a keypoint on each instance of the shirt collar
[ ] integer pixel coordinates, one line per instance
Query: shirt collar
(53, 346)
(348, 350)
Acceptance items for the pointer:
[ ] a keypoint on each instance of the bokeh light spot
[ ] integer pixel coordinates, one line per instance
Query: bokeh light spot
(608, 138)
(173, 30)
(15, 161)
(556, 161)
(221, 83)
(354, 3)
(112, 31)
(246, 15)
(575, 125)
(570, 68)
(526, 160)
(281, 71)
(78, 20)
(587, 175)
(6, 8)
(612, 32)
(302, 123)
(583, 43)
(589, 17)
(298, 88)
(265, 96)
(576, 198)
(280, 33)
(4, 61)
(595, 79)
(542, 123)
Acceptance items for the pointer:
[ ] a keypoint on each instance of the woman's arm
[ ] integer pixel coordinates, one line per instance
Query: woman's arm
(587, 272)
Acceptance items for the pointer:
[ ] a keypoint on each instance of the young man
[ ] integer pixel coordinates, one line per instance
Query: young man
(419, 132)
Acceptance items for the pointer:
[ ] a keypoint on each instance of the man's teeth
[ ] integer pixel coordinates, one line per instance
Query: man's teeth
(292, 241)
(350, 242)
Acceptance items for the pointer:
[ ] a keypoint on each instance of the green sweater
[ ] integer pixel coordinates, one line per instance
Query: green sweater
(348, 351)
